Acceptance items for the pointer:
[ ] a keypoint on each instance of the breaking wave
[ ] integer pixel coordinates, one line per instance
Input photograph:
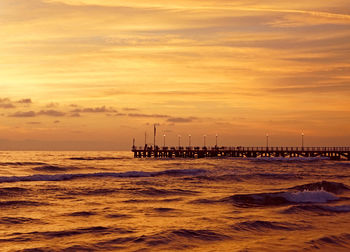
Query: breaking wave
(130, 174)
(332, 187)
(280, 198)
(320, 192)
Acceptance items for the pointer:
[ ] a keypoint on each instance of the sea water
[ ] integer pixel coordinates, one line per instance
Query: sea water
(109, 201)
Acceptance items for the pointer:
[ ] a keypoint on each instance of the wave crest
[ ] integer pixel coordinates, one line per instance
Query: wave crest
(280, 198)
(332, 187)
(129, 174)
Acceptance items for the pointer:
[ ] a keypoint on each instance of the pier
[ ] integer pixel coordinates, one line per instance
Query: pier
(333, 153)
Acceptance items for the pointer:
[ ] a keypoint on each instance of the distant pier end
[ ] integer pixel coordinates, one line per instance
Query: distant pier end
(334, 153)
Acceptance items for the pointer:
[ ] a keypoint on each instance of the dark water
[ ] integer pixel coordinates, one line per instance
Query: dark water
(108, 201)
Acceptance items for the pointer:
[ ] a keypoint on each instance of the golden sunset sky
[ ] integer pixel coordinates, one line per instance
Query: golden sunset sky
(93, 74)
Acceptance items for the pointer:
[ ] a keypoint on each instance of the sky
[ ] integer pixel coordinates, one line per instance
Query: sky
(94, 74)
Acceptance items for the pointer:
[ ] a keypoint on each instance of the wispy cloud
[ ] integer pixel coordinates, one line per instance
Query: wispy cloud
(50, 112)
(148, 115)
(102, 109)
(181, 119)
(176, 62)
(23, 114)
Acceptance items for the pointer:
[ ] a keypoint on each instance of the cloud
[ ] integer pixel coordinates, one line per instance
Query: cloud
(131, 109)
(120, 114)
(23, 114)
(54, 113)
(181, 119)
(6, 103)
(148, 115)
(52, 105)
(25, 101)
(51, 112)
(102, 109)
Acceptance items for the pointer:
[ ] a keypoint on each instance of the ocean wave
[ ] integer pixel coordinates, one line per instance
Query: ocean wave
(266, 225)
(151, 191)
(82, 214)
(118, 216)
(280, 198)
(332, 187)
(167, 237)
(21, 163)
(94, 230)
(339, 240)
(16, 220)
(12, 191)
(19, 203)
(53, 168)
(244, 177)
(130, 174)
(98, 158)
(317, 209)
(310, 197)
(288, 160)
(163, 209)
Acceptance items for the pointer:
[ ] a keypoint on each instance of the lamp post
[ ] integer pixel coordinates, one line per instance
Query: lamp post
(204, 139)
(189, 140)
(216, 140)
(267, 141)
(154, 135)
(164, 140)
(302, 140)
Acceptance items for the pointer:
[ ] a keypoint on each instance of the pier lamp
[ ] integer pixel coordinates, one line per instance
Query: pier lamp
(189, 140)
(164, 140)
(267, 140)
(204, 139)
(216, 140)
(302, 140)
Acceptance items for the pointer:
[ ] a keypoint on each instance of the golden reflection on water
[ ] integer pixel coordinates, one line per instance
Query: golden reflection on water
(193, 211)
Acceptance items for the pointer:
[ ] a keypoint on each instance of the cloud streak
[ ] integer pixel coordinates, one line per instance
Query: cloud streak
(176, 62)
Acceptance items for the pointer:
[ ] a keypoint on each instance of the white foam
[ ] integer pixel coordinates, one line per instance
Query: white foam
(319, 196)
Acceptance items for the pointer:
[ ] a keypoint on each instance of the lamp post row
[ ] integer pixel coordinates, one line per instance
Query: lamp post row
(216, 140)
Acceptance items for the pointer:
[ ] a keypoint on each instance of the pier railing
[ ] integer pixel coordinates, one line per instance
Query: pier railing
(240, 148)
(335, 153)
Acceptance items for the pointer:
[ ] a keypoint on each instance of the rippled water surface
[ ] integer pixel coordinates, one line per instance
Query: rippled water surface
(108, 201)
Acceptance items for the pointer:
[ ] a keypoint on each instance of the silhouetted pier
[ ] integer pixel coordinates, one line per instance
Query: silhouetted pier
(334, 153)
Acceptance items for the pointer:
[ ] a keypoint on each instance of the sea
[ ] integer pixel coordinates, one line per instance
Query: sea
(109, 201)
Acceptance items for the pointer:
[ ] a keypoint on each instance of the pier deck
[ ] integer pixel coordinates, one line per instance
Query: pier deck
(335, 153)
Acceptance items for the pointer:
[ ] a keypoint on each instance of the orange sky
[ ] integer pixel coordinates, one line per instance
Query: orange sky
(91, 74)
